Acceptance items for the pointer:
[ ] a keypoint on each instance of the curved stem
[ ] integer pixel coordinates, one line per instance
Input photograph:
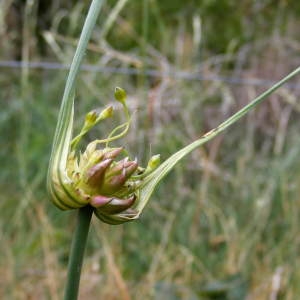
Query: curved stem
(66, 108)
(77, 251)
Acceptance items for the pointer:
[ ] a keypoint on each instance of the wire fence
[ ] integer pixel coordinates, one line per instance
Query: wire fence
(258, 82)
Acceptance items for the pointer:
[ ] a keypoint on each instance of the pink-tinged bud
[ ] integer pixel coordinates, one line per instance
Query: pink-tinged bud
(115, 180)
(99, 201)
(127, 215)
(116, 205)
(113, 153)
(95, 175)
(113, 184)
(119, 167)
(131, 168)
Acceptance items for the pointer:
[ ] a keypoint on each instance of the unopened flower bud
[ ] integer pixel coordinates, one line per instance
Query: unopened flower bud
(112, 153)
(106, 113)
(112, 205)
(91, 117)
(118, 167)
(153, 162)
(99, 201)
(130, 168)
(95, 175)
(120, 95)
(116, 178)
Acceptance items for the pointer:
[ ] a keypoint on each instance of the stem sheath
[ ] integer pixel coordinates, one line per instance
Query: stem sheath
(77, 252)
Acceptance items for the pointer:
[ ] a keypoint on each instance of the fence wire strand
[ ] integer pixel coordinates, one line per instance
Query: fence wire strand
(182, 75)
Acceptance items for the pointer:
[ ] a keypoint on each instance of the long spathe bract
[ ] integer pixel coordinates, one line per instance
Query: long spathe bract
(156, 176)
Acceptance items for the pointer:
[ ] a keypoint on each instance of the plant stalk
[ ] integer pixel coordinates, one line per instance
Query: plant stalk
(77, 252)
(85, 213)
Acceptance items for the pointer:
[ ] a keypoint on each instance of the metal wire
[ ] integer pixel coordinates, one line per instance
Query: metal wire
(259, 82)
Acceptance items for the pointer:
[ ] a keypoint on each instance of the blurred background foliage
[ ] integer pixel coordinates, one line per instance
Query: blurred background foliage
(224, 224)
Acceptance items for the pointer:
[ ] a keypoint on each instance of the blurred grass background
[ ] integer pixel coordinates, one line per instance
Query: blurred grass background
(225, 223)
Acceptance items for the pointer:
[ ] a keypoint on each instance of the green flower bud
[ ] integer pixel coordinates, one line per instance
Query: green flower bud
(91, 118)
(153, 162)
(120, 95)
(106, 113)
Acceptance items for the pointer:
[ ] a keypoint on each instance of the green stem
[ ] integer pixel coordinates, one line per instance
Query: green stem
(66, 110)
(77, 252)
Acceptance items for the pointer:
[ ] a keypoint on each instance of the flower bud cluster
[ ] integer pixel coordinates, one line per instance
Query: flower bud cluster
(101, 177)
(105, 182)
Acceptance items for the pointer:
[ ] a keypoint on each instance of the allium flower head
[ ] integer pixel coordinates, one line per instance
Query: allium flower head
(101, 176)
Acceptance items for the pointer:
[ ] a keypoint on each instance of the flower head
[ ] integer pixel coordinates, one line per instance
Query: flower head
(103, 177)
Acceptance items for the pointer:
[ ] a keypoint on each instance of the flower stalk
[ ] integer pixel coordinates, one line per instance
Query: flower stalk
(77, 252)
(60, 150)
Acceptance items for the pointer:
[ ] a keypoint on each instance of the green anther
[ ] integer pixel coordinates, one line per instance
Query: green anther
(91, 119)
